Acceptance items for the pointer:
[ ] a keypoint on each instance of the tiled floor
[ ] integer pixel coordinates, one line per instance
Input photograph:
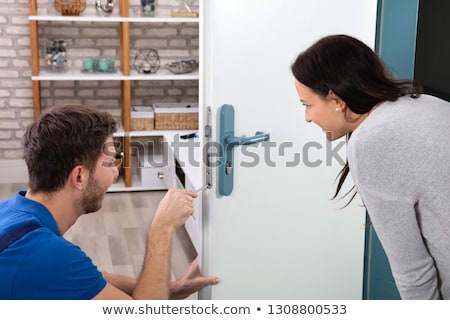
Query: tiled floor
(114, 237)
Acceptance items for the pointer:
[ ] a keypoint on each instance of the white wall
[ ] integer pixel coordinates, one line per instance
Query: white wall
(12, 171)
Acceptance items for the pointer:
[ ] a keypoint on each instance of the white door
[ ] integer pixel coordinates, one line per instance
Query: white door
(277, 235)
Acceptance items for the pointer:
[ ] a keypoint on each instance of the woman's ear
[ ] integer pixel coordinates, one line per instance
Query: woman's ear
(78, 177)
(339, 104)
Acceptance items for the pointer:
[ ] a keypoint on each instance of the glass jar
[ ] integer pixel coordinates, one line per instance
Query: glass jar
(55, 54)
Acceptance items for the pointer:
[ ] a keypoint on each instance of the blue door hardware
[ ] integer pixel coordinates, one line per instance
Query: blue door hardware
(227, 143)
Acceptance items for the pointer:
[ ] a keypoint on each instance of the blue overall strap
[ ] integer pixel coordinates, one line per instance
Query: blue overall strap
(10, 237)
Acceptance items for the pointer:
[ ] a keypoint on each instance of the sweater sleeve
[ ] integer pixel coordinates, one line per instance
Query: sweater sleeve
(397, 228)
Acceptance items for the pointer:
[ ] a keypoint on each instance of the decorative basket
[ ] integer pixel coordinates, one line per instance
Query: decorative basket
(176, 116)
(70, 7)
(183, 66)
(142, 118)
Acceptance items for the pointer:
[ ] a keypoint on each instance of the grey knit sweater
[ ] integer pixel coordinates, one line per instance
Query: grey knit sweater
(399, 159)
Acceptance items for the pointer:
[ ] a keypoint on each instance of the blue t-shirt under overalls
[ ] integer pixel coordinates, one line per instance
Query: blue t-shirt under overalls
(42, 264)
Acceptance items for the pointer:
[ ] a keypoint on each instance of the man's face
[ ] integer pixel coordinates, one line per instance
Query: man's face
(93, 196)
(101, 179)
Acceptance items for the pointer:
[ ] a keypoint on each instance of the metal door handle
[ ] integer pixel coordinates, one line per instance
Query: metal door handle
(258, 137)
(227, 142)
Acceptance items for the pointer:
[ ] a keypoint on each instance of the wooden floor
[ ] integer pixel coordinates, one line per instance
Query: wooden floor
(114, 237)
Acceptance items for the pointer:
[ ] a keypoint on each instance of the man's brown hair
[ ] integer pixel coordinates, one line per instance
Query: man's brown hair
(62, 138)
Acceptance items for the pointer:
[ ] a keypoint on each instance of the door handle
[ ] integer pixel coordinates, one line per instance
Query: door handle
(258, 137)
(227, 143)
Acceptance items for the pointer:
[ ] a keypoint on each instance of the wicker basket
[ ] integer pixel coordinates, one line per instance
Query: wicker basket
(70, 7)
(176, 116)
(142, 118)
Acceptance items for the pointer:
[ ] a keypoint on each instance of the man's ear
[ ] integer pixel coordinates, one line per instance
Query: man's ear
(78, 177)
(340, 104)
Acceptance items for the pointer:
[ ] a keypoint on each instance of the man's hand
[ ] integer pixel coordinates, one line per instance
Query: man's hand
(176, 206)
(191, 282)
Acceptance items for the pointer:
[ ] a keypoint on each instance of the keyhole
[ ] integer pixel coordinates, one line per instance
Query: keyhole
(228, 167)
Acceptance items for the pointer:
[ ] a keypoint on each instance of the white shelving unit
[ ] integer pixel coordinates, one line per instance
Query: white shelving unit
(130, 181)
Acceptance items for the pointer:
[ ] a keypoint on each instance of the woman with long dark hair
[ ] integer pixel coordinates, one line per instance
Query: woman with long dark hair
(398, 155)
